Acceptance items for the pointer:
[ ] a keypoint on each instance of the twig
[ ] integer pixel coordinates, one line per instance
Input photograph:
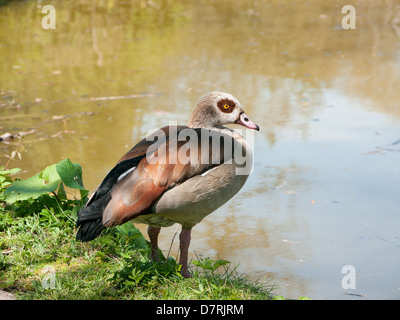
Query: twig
(15, 152)
(354, 294)
(55, 196)
(131, 96)
(52, 213)
(172, 241)
(388, 149)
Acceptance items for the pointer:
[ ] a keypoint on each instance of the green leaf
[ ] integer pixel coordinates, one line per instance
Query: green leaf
(46, 181)
(278, 298)
(197, 263)
(135, 236)
(219, 263)
(61, 195)
(71, 174)
(7, 172)
(84, 194)
(210, 264)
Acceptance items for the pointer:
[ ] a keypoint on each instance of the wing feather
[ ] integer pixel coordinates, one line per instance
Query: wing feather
(171, 163)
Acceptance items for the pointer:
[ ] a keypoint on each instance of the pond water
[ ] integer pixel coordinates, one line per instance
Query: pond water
(325, 189)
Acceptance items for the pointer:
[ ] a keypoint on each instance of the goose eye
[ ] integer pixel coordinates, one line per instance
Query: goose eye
(226, 106)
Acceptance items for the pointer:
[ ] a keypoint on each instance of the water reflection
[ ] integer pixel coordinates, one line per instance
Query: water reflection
(325, 98)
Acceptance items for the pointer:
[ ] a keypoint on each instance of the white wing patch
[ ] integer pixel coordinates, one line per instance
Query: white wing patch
(125, 173)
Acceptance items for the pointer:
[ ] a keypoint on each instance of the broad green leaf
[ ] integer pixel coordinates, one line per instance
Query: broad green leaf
(71, 174)
(46, 181)
(49, 180)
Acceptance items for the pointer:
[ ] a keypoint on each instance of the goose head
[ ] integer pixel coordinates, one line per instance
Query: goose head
(217, 109)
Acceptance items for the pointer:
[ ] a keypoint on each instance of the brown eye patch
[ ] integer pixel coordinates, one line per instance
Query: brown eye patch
(226, 105)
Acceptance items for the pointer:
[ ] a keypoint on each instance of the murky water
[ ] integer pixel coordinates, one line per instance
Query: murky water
(325, 190)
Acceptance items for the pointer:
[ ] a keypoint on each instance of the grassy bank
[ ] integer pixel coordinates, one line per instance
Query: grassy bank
(40, 258)
(115, 266)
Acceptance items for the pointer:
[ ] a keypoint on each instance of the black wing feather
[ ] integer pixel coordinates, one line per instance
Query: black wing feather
(90, 218)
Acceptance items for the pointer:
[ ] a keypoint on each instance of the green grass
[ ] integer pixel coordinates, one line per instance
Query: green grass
(38, 235)
(114, 266)
(40, 259)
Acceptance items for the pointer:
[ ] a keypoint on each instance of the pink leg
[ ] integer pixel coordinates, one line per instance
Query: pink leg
(184, 238)
(153, 235)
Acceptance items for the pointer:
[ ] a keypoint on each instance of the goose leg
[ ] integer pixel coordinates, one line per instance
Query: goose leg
(153, 233)
(184, 239)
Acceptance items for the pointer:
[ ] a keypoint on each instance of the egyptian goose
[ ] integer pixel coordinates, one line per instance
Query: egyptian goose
(179, 174)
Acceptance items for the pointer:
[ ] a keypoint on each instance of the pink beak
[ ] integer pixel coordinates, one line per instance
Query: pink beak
(246, 122)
